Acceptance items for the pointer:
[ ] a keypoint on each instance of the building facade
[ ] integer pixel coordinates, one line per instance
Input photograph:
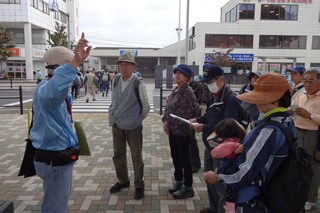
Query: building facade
(266, 35)
(29, 20)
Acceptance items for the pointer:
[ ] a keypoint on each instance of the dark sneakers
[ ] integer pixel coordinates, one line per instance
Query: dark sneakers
(118, 186)
(175, 187)
(139, 193)
(183, 193)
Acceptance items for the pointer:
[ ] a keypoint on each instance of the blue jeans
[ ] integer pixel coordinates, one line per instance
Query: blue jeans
(57, 183)
(105, 87)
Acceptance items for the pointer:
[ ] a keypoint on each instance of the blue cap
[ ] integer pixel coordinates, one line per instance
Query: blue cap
(212, 72)
(206, 65)
(184, 69)
(297, 69)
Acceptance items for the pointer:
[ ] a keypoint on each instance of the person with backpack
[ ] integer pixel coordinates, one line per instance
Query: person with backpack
(105, 82)
(90, 80)
(265, 148)
(222, 103)
(126, 113)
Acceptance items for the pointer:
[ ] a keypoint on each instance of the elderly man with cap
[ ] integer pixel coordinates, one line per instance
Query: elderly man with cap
(252, 108)
(129, 107)
(296, 75)
(222, 103)
(307, 121)
(52, 134)
(265, 146)
(183, 103)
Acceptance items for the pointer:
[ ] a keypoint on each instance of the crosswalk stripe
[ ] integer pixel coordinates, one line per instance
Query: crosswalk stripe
(101, 105)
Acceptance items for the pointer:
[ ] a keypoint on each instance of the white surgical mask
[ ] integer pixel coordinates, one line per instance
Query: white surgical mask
(213, 87)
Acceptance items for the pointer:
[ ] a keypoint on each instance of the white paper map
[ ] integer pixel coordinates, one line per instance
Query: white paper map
(179, 118)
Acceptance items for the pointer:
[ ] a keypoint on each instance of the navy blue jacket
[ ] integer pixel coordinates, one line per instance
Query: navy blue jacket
(217, 110)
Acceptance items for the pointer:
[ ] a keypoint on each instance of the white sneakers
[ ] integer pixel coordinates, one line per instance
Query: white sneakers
(308, 206)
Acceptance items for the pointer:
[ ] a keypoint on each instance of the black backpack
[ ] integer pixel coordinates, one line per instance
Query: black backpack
(244, 117)
(288, 189)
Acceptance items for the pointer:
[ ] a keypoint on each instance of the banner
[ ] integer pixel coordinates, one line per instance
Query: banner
(53, 5)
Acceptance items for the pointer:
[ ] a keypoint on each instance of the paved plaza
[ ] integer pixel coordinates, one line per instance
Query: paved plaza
(94, 175)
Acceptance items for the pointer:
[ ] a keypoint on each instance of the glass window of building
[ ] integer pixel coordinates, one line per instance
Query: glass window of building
(228, 41)
(314, 64)
(38, 36)
(18, 36)
(282, 42)
(241, 11)
(315, 42)
(279, 12)
(10, 1)
(246, 11)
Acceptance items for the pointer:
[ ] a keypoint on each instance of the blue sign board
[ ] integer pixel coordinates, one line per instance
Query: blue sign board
(242, 57)
(238, 57)
(134, 52)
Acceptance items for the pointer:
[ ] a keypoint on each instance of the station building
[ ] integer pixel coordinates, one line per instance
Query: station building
(266, 35)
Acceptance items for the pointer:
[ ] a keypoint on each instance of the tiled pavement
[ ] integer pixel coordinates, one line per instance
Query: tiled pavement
(94, 175)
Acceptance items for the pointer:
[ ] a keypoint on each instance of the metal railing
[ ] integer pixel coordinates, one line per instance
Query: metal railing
(19, 97)
(163, 98)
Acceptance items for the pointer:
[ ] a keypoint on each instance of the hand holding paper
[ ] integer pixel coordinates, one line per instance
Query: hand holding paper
(179, 118)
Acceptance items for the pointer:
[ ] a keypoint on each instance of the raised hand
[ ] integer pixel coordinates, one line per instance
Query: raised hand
(81, 51)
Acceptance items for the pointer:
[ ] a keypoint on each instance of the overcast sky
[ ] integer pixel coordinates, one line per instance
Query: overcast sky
(147, 23)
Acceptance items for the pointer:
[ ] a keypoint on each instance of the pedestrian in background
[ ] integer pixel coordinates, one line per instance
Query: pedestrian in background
(296, 75)
(252, 108)
(39, 75)
(52, 133)
(126, 113)
(90, 81)
(105, 80)
(181, 102)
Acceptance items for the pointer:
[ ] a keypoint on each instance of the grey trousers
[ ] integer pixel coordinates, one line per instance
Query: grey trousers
(134, 139)
(215, 192)
(308, 140)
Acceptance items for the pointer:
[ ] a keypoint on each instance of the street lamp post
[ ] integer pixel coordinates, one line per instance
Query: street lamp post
(179, 29)
(187, 31)
(68, 16)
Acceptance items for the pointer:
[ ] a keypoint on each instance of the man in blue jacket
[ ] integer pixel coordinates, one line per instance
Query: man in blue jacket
(222, 103)
(52, 134)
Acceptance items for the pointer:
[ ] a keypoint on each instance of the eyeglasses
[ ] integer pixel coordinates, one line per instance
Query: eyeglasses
(311, 81)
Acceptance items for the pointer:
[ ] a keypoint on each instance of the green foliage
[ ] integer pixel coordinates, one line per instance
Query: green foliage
(221, 58)
(5, 45)
(59, 37)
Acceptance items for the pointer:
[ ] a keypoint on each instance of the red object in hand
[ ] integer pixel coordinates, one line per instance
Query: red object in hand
(226, 149)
